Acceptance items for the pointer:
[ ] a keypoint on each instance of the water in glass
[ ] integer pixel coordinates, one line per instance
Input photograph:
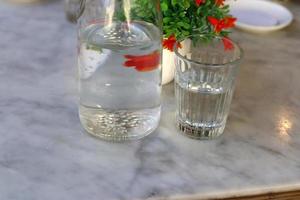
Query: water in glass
(202, 109)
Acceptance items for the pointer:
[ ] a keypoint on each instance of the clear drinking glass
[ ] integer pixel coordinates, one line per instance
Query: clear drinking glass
(204, 84)
(119, 66)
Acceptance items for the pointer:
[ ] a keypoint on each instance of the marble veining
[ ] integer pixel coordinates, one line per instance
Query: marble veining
(45, 154)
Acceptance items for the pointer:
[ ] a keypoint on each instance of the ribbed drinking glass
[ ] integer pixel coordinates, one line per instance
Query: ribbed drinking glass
(204, 85)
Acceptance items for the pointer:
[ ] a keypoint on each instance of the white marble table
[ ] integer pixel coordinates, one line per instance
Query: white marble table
(45, 154)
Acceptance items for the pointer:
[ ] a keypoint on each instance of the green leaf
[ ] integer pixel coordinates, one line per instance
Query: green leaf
(164, 6)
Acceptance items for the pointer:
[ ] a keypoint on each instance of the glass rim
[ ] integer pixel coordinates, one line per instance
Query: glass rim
(235, 61)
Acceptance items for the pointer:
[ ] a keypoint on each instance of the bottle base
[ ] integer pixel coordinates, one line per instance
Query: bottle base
(120, 125)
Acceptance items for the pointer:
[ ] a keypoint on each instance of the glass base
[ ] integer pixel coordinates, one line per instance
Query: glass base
(201, 132)
(118, 126)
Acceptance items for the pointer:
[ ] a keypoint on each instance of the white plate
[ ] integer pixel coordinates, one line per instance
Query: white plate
(259, 15)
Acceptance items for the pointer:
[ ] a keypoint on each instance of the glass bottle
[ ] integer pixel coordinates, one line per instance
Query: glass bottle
(119, 63)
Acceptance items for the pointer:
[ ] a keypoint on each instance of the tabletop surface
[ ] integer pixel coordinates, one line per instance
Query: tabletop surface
(45, 154)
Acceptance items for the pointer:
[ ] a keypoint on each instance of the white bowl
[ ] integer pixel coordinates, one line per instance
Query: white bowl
(259, 15)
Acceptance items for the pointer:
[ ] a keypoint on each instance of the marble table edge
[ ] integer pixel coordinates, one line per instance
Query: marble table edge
(234, 193)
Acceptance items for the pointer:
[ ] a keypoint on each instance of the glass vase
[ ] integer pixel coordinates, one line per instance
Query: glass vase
(119, 63)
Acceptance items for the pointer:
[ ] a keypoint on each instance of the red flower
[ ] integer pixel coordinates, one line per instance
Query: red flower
(221, 24)
(144, 63)
(199, 2)
(219, 2)
(170, 42)
(227, 44)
